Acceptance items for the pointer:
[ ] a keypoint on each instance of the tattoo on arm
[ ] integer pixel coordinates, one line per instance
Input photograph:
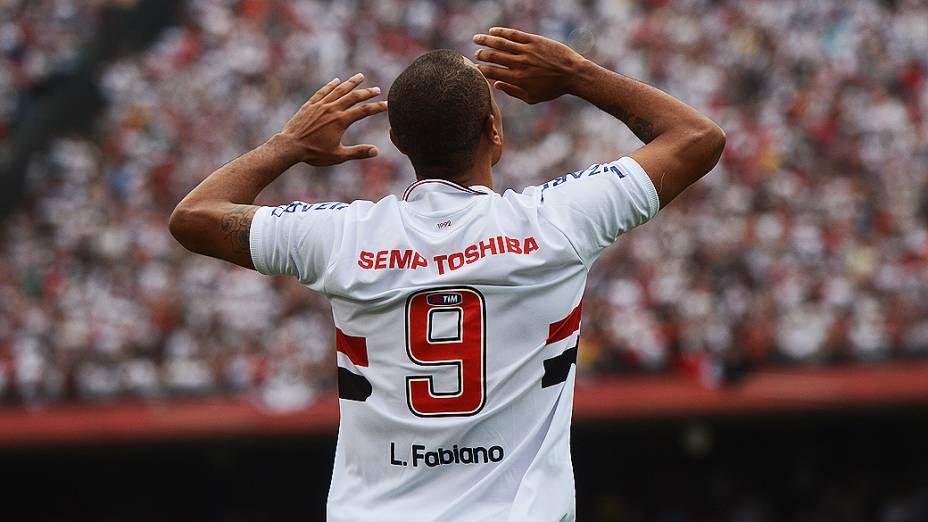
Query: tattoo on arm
(236, 226)
(642, 127)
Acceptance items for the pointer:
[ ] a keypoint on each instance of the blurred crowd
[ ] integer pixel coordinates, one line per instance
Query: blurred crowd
(807, 244)
(39, 41)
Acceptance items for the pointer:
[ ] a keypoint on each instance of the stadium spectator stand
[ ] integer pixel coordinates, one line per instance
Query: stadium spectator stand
(807, 245)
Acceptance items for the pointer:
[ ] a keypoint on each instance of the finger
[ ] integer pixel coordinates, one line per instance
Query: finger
(358, 95)
(498, 57)
(498, 73)
(344, 88)
(363, 111)
(326, 89)
(512, 34)
(512, 90)
(353, 152)
(498, 43)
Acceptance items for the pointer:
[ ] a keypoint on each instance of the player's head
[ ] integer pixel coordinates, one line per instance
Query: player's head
(443, 116)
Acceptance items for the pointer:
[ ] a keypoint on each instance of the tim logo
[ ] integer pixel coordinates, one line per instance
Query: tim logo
(444, 224)
(445, 299)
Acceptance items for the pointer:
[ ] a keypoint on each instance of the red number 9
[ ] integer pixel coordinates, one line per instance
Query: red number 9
(464, 348)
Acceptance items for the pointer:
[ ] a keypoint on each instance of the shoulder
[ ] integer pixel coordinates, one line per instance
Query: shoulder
(606, 186)
(365, 210)
(538, 194)
(588, 179)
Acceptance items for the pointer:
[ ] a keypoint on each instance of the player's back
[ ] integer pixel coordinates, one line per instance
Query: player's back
(458, 314)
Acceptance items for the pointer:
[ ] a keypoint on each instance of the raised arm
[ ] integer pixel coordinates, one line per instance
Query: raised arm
(214, 219)
(681, 144)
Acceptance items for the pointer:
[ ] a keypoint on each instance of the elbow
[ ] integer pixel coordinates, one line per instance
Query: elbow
(182, 224)
(715, 138)
(711, 139)
(708, 142)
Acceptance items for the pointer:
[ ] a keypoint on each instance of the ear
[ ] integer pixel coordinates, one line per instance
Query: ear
(395, 144)
(492, 132)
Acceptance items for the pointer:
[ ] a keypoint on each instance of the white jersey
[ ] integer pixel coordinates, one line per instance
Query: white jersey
(457, 314)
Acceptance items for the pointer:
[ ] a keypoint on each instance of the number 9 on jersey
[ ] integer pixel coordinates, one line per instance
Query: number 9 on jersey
(447, 327)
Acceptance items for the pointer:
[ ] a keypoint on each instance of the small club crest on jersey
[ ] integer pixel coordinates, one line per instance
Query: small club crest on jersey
(445, 299)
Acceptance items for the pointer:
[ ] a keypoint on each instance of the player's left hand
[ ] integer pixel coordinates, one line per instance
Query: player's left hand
(314, 134)
(527, 66)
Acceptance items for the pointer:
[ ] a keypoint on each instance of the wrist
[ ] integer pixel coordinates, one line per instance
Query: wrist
(283, 147)
(580, 75)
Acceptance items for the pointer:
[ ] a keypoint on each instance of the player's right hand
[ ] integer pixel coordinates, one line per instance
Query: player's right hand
(528, 66)
(314, 134)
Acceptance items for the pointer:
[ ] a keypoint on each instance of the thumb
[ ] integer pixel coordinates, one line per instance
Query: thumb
(354, 152)
(511, 90)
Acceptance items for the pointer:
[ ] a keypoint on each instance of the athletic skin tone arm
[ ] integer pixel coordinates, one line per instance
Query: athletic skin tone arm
(214, 219)
(681, 144)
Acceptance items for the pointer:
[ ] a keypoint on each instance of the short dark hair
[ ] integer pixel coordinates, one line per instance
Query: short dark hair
(437, 108)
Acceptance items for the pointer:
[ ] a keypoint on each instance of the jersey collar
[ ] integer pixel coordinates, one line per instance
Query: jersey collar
(424, 186)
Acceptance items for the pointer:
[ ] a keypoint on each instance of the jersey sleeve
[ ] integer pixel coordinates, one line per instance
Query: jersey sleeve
(594, 206)
(298, 239)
